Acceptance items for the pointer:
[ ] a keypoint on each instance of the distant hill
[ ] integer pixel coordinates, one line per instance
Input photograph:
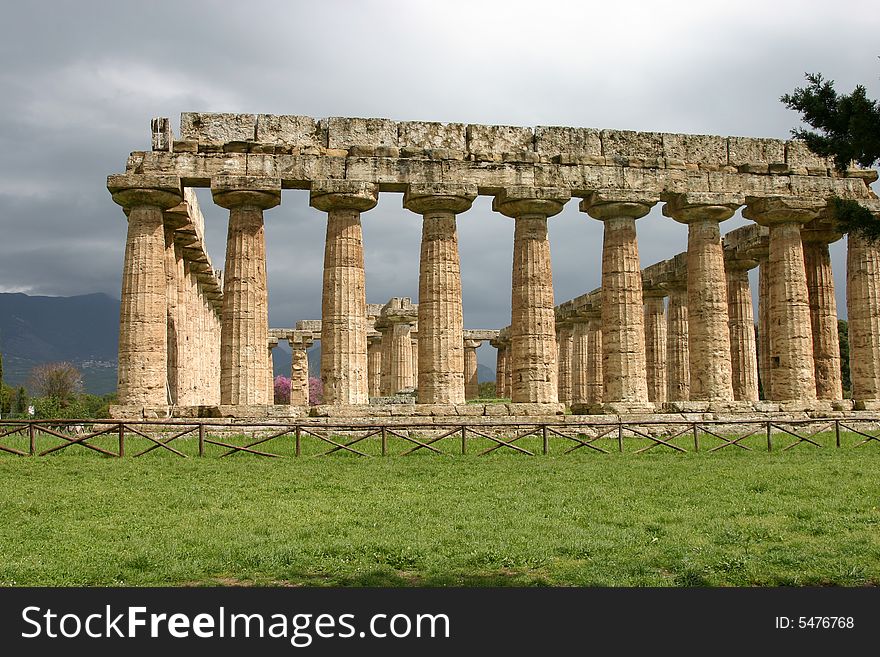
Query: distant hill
(83, 330)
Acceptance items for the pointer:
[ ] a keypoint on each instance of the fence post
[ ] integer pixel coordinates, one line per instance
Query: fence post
(121, 440)
(837, 432)
(463, 440)
(33, 439)
(546, 441)
(769, 445)
(297, 441)
(201, 439)
(620, 436)
(696, 438)
(384, 442)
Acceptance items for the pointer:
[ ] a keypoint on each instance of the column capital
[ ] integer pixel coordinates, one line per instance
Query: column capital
(327, 195)
(374, 338)
(472, 344)
(774, 210)
(734, 262)
(657, 292)
(615, 203)
(822, 230)
(521, 201)
(273, 342)
(702, 206)
(131, 190)
(439, 197)
(246, 191)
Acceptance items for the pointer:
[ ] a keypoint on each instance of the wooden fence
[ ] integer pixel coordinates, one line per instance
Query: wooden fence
(117, 438)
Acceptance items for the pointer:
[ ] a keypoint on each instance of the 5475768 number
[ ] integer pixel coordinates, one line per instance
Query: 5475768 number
(815, 622)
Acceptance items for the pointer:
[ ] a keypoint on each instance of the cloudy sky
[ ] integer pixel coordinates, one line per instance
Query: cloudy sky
(80, 82)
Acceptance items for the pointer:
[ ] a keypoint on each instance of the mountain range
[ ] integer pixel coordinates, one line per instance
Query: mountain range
(84, 330)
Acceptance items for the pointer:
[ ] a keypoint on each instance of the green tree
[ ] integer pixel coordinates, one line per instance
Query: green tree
(846, 128)
(21, 401)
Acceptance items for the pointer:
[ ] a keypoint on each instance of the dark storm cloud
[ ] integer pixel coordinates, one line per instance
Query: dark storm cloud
(81, 81)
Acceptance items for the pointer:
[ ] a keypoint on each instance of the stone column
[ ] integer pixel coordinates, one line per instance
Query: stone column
(761, 253)
(385, 384)
(863, 310)
(678, 375)
(343, 302)
(743, 354)
(143, 347)
(564, 340)
(414, 350)
(792, 372)
(580, 362)
(499, 367)
(270, 371)
(655, 344)
(471, 382)
(401, 374)
(245, 325)
(440, 351)
(374, 364)
(816, 237)
(299, 370)
(595, 360)
(533, 322)
(708, 332)
(623, 329)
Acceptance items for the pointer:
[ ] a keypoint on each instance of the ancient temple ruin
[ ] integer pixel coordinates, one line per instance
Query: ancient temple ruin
(192, 339)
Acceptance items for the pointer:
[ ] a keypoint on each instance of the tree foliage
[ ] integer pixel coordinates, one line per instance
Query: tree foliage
(846, 128)
(58, 381)
(282, 389)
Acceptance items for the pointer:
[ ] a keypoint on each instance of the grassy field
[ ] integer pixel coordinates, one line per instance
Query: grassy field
(806, 516)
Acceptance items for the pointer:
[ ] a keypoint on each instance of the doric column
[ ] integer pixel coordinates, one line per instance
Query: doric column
(580, 361)
(792, 372)
(678, 374)
(623, 328)
(863, 310)
(396, 323)
(374, 364)
(708, 332)
(761, 253)
(816, 237)
(440, 351)
(343, 301)
(595, 393)
(499, 366)
(414, 351)
(655, 344)
(299, 369)
(143, 347)
(471, 383)
(743, 354)
(564, 337)
(270, 383)
(532, 323)
(244, 331)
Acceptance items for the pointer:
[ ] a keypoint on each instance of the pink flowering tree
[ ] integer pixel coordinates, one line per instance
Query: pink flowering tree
(316, 391)
(282, 390)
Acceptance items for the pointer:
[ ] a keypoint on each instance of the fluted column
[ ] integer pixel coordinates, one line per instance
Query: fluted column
(374, 364)
(792, 372)
(471, 382)
(863, 310)
(143, 347)
(440, 343)
(708, 331)
(816, 237)
(595, 393)
(414, 352)
(499, 366)
(580, 361)
(564, 340)
(762, 255)
(400, 374)
(623, 328)
(244, 331)
(532, 324)
(299, 371)
(678, 374)
(273, 342)
(743, 354)
(343, 302)
(655, 344)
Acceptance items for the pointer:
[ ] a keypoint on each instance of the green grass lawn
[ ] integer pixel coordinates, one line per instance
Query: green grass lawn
(806, 516)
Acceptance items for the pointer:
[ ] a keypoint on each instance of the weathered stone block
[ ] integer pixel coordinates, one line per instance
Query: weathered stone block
(217, 128)
(163, 138)
(290, 130)
(343, 133)
(696, 149)
(748, 150)
(430, 135)
(627, 143)
(798, 155)
(492, 141)
(553, 141)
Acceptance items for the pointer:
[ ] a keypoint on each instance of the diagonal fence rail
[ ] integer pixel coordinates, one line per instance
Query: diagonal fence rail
(206, 438)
